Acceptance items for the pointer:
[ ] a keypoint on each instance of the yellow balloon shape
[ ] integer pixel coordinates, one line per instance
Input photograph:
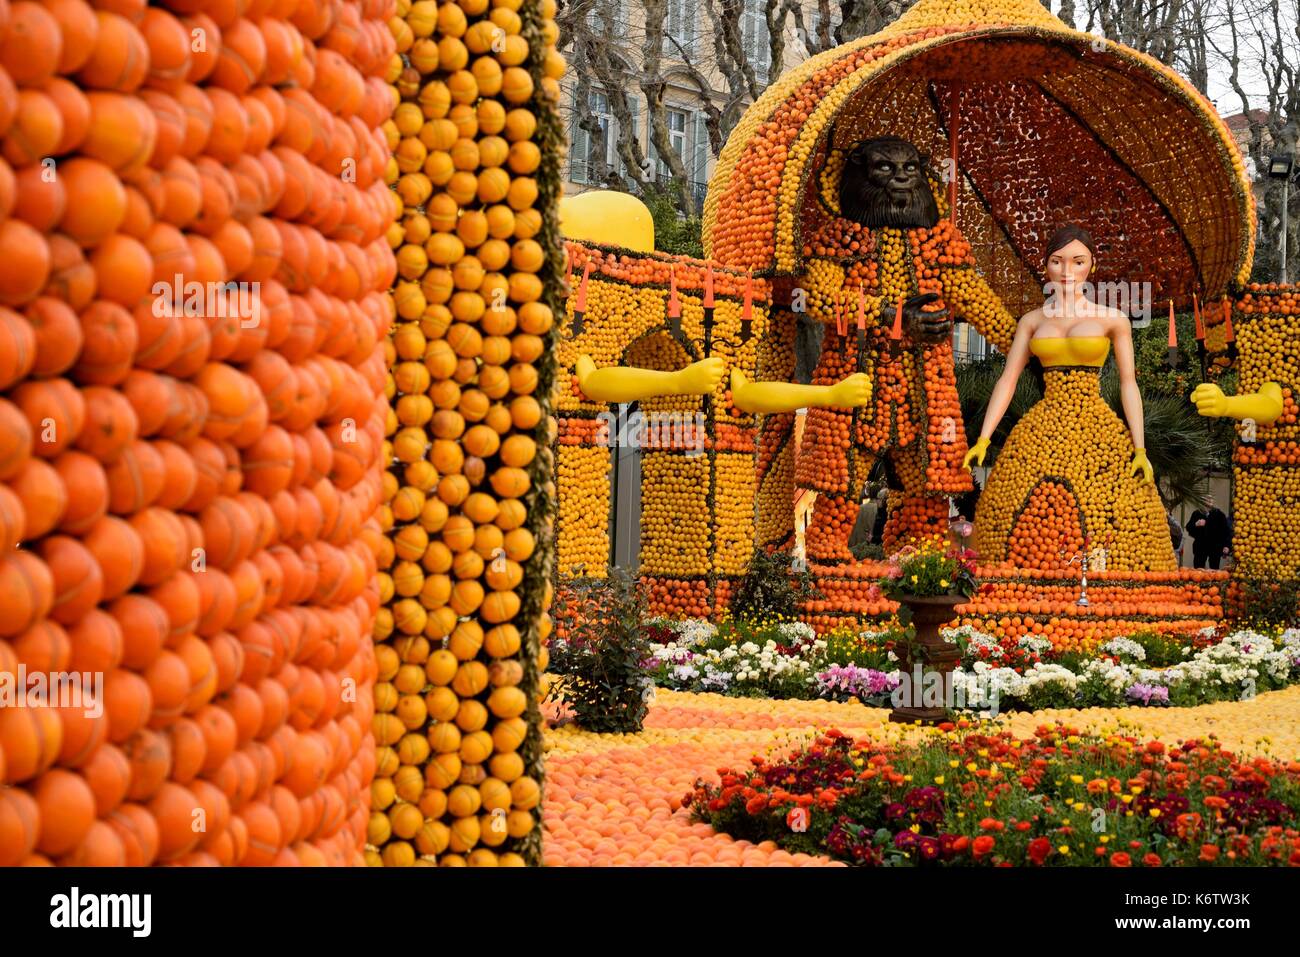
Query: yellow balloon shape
(608, 217)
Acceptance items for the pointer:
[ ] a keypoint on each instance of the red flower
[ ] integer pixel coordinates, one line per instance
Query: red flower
(1209, 852)
(981, 846)
(1120, 859)
(756, 804)
(1152, 860)
(1039, 848)
(960, 844)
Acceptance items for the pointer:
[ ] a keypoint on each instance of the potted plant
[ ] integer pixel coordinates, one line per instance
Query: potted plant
(928, 581)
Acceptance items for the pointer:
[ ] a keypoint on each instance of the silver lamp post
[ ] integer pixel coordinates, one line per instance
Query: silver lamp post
(1279, 167)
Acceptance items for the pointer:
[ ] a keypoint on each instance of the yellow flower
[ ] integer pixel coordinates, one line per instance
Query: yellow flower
(913, 579)
(938, 779)
(953, 763)
(972, 767)
(1105, 839)
(943, 583)
(1076, 778)
(1064, 849)
(1155, 812)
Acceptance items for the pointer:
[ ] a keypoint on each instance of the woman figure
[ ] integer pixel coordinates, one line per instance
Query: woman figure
(1071, 475)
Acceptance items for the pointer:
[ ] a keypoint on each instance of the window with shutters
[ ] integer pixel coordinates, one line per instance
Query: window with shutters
(676, 120)
(754, 40)
(584, 161)
(814, 22)
(608, 18)
(679, 28)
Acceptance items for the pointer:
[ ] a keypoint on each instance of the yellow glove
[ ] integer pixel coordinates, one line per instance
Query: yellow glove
(976, 454)
(1264, 406)
(1140, 464)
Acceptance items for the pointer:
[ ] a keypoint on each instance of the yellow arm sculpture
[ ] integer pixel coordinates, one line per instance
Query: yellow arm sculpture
(849, 393)
(1264, 406)
(628, 384)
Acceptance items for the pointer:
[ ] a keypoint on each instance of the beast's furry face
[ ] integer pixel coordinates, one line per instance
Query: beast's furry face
(884, 184)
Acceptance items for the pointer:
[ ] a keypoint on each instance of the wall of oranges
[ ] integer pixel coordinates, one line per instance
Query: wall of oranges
(189, 470)
(696, 486)
(1266, 459)
(465, 572)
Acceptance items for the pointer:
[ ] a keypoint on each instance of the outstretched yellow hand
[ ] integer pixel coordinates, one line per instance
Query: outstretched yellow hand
(1263, 407)
(1210, 400)
(852, 391)
(976, 454)
(702, 377)
(1141, 464)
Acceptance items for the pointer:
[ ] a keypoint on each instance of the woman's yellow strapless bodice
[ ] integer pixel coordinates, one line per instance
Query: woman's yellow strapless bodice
(1070, 350)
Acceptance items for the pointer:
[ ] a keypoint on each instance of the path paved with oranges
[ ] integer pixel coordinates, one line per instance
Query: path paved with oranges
(616, 799)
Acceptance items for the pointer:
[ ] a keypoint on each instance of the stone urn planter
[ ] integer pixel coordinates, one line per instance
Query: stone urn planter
(927, 662)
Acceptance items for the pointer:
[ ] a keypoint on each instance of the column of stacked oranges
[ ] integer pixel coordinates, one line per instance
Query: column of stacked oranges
(468, 435)
(186, 491)
(1266, 487)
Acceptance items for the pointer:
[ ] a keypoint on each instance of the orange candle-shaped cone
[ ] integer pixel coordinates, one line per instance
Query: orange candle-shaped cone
(708, 287)
(896, 333)
(580, 304)
(862, 310)
(747, 310)
(1173, 338)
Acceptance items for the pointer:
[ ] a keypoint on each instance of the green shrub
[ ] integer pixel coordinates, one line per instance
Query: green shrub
(600, 665)
(773, 587)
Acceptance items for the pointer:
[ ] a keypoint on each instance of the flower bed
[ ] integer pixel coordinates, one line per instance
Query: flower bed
(786, 660)
(967, 795)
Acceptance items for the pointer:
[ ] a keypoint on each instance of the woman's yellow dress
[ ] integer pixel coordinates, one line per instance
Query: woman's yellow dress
(1064, 476)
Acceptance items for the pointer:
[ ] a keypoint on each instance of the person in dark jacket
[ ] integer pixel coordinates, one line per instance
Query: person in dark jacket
(1211, 534)
(1175, 531)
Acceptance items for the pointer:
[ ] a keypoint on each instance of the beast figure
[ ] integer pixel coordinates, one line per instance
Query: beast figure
(888, 246)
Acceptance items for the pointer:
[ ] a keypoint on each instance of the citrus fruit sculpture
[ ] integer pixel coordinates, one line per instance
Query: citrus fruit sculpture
(653, 317)
(1072, 475)
(1266, 477)
(193, 297)
(1015, 110)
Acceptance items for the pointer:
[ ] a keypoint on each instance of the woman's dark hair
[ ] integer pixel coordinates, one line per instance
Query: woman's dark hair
(1066, 235)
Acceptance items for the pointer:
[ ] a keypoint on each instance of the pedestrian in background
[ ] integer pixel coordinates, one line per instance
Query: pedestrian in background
(1211, 534)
